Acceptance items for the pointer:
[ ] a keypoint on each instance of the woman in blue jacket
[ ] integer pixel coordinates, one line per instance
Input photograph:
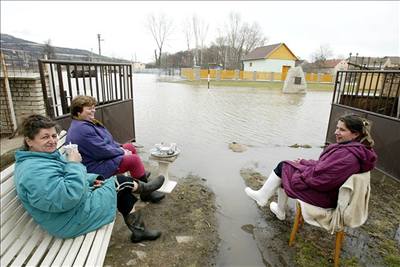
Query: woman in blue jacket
(62, 197)
(101, 154)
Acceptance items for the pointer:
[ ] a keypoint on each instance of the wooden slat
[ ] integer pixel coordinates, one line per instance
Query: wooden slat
(8, 241)
(85, 248)
(12, 222)
(104, 245)
(17, 245)
(76, 246)
(47, 261)
(6, 187)
(5, 174)
(5, 200)
(40, 251)
(62, 252)
(29, 247)
(95, 250)
(9, 211)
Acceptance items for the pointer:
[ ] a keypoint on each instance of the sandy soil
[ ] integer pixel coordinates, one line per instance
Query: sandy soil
(187, 215)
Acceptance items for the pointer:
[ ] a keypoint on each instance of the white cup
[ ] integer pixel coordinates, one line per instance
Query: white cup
(70, 147)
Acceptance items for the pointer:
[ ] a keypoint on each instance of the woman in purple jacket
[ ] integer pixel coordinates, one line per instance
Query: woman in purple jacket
(317, 182)
(100, 153)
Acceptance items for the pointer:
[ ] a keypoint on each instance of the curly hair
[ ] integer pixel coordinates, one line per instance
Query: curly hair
(33, 124)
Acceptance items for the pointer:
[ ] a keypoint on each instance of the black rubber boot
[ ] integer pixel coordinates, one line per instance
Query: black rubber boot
(153, 185)
(139, 232)
(154, 196)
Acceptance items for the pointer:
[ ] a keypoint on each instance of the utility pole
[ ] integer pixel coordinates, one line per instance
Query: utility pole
(99, 39)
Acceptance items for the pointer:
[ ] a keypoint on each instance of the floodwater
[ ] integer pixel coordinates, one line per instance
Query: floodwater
(204, 121)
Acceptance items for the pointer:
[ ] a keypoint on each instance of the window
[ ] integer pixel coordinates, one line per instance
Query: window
(251, 64)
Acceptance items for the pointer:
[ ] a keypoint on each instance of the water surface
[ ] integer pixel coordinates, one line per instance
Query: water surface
(204, 121)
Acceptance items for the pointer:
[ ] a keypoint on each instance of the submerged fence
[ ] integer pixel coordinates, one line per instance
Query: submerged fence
(197, 74)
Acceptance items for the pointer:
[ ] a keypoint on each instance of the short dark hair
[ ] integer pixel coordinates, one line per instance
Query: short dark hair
(79, 102)
(359, 125)
(33, 124)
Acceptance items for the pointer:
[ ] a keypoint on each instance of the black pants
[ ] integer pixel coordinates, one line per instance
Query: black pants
(125, 198)
(278, 169)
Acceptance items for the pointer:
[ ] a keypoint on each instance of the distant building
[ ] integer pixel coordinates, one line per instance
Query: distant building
(270, 58)
(138, 66)
(330, 66)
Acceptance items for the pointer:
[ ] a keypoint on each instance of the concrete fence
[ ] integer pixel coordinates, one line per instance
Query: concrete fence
(197, 74)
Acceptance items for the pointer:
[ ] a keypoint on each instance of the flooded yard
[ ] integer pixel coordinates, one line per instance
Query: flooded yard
(203, 122)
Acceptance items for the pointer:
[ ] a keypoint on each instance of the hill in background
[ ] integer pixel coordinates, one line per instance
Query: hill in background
(27, 51)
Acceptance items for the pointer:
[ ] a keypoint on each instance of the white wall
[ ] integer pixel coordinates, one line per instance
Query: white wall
(269, 65)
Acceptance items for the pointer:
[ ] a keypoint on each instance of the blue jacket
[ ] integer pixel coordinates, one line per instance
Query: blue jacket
(100, 153)
(58, 194)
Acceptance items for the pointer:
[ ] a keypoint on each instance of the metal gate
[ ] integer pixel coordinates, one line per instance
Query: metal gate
(110, 83)
(375, 95)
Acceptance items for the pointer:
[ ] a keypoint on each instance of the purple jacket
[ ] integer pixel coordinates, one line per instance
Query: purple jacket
(100, 153)
(317, 182)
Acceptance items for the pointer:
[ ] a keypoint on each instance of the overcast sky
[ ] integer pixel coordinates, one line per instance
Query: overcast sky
(370, 28)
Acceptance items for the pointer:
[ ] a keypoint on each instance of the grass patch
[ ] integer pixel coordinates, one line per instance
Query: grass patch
(254, 84)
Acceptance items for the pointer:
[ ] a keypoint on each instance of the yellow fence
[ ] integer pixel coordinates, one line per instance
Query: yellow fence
(190, 74)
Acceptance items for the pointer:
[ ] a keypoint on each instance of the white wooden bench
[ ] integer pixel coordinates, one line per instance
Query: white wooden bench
(24, 243)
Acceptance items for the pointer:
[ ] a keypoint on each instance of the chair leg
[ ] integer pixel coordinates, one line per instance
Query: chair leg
(338, 247)
(298, 218)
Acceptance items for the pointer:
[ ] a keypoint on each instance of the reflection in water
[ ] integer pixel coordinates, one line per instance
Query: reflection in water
(204, 121)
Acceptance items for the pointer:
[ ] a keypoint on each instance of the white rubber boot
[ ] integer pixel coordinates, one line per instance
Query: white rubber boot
(279, 209)
(262, 195)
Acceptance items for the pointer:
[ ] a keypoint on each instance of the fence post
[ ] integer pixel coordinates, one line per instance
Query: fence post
(254, 75)
(8, 93)
(237, 74)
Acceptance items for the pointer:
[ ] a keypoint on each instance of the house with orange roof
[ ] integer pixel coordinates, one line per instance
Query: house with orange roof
(270, 58)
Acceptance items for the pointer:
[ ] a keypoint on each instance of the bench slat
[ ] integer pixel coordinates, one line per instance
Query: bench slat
(9, 211)
(40, 250)
(52, 252)
(104, 245)
(12, 222)
(15, 233)
(94, 251)
(71, 256)
(8, 198)
(5, 174)
(29, 247)
(85, 248)
(62, 252)
(17, 245)
(6, 187)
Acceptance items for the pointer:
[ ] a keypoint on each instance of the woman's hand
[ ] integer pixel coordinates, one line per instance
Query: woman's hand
(97, 183)
(127, 152)
(74, 156)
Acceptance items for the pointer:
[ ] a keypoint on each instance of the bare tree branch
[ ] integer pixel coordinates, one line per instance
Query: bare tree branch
(160, 28)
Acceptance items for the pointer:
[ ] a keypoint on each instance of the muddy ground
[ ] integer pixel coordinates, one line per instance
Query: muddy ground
(376, 243)
(187, 214)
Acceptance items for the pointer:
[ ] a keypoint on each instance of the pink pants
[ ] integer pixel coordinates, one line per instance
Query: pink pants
(131, 163)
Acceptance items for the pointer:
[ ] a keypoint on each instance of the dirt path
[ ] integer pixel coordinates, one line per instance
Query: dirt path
(187, 214)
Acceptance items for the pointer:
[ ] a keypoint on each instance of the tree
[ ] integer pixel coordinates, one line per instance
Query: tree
(160, 28)
(320, 56)
(48, 50)
(241, 39)
(200, 30)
